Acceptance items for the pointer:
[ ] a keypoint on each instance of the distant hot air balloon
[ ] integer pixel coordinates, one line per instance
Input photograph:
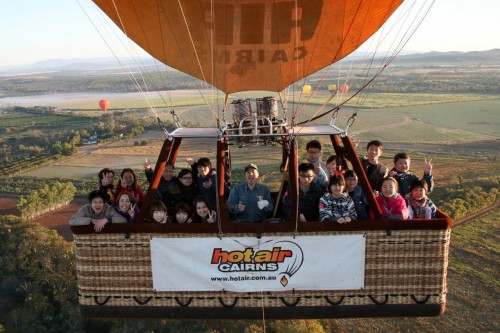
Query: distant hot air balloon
(332, 87)
(344, 88)
(306, 89)
(103, 104)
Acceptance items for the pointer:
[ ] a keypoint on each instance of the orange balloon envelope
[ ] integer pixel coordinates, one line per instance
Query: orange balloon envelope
(243, 45)
(103, 104)
(344, 88)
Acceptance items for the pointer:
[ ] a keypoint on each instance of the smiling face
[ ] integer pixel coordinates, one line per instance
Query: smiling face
(187, 179)
(159, 215)
(202, 209)
(418, 193)
(351, 183)
(251, 176)
(168, 172)
(203, 170)
(313, 155)
(402, 165)
(389, 188)
(128, 179)
(181, 217)
(336, 190)
(332, 167)
(306, 178)
(374, 153)
(124, 203)
(97, 205)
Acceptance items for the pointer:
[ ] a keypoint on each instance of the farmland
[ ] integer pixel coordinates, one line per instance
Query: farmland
(459, 131)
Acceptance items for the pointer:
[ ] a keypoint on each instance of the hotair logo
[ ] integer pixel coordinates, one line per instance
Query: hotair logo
(284, 257)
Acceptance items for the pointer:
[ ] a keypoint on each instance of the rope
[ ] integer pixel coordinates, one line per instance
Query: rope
(197, 59)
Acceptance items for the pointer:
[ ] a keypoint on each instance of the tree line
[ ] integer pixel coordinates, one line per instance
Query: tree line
(46, 199)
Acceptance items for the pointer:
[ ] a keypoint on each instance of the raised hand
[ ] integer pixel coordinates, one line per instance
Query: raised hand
(383, 169)
(146, 163)
(131, 212)
(211, 217)
(428, 166)
(189, 160)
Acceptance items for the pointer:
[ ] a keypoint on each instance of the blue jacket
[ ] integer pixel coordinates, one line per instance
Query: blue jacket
(360, 203)
(252, 212)
(404, 180)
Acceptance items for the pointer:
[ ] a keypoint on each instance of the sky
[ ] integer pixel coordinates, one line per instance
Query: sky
(37, 30)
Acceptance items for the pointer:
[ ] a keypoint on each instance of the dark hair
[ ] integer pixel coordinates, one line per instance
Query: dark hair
(350, 173)
(204, 162)
(418, 183)
(103, 172)
(401, 156)
(374, 143)
(133, 174)
(184, 172)
(98, 194)
(200, 198)
(333, 158)
(313, 144)
(336, 179)
(156, 205)
(182, 207)
(169, 164)
(304, 167)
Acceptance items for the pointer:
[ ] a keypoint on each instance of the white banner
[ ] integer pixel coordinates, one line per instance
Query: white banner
(250, 264)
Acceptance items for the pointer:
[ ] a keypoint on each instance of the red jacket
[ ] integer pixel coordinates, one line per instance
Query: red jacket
(392, 208)
(138, 194)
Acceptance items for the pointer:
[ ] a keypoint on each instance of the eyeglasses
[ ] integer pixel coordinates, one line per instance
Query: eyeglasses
(306, 176)
(186, 177)
(313, 152)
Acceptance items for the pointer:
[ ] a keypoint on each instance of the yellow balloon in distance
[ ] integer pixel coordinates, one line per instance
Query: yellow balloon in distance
(306, 89)
(332, 87)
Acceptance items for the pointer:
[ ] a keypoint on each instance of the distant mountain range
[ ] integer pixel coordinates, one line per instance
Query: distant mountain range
(490, 57)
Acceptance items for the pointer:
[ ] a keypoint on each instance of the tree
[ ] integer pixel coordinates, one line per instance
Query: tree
(37, 278)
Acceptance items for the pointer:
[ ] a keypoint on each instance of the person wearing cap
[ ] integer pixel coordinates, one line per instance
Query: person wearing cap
(250, 201)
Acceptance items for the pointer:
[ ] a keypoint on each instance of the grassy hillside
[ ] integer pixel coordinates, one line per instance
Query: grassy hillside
(473, 287)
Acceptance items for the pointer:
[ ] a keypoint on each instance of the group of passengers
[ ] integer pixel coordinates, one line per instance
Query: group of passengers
(327, 192)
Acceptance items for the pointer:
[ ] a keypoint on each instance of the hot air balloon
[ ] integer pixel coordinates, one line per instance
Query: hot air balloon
(104, 104)
(332, 87)
(344, 88)
(239, 46)
(306, 89)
